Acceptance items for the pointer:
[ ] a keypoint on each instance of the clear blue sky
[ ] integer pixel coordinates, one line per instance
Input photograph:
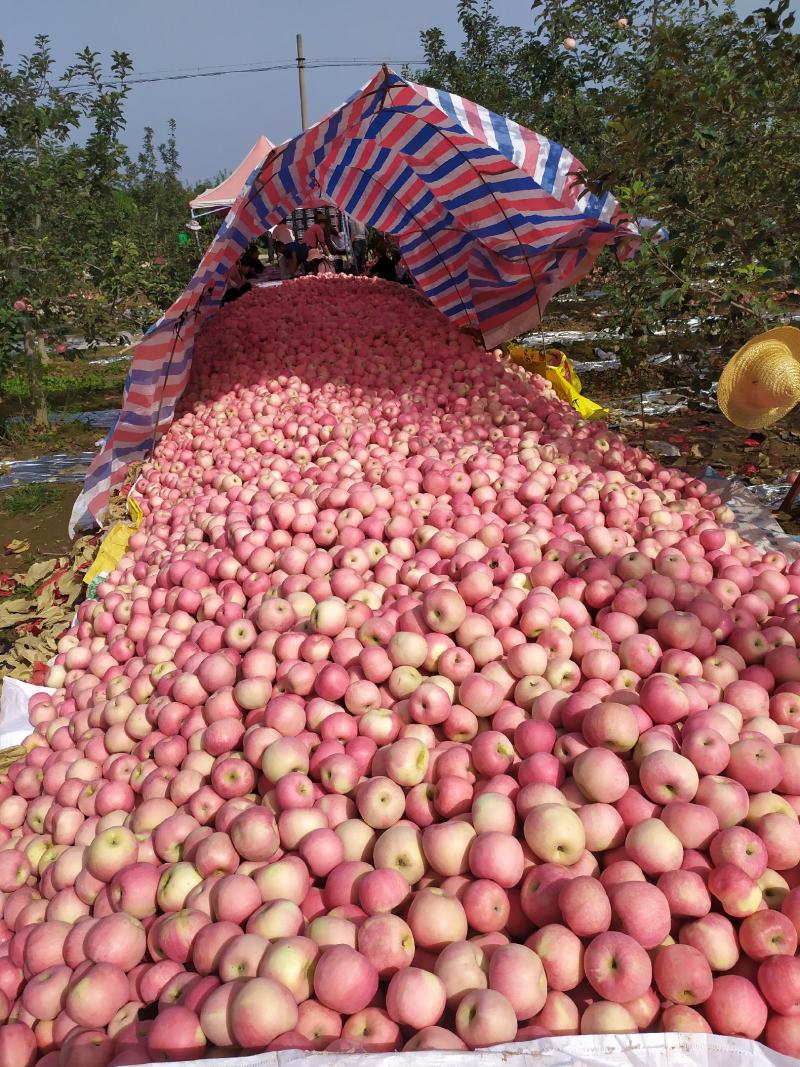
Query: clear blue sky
(220, 118)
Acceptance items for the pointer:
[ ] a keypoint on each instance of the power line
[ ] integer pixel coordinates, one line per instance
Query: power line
(189, 73)
(209, 74)
(256, 64)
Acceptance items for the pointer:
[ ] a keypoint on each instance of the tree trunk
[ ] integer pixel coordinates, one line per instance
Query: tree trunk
(653, 21)
(44, 359)
(34, 368)
(33, 346)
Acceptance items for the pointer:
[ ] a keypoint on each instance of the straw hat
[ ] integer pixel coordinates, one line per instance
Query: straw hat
(761, 383)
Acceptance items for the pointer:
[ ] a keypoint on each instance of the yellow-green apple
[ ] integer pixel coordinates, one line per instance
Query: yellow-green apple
(250, 1025)
(554, 833)
(715, 937)
(462, 966)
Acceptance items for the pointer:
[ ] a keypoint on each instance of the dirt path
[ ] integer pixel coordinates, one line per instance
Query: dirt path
(45, 529)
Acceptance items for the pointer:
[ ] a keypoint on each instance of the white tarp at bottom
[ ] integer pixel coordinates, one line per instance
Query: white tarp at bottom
(606, 1050)
(15, 725)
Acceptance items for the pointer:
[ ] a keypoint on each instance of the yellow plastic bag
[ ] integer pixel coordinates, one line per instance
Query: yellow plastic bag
(134, 511)
(112, 547)
(552, 365)
(111, 550)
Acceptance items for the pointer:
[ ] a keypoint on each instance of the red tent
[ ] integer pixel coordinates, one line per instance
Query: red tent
(224, 194)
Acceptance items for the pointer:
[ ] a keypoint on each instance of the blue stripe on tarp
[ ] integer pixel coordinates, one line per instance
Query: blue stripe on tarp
(550, 172)
(502, 132)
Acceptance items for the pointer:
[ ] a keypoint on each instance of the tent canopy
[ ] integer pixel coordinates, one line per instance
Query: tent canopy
(491, 218)
(225, 194)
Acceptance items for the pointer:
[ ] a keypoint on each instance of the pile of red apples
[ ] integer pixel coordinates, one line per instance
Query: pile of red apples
(420, 714)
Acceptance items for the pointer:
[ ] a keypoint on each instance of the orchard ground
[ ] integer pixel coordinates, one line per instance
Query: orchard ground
(34, 517)
(73, 388)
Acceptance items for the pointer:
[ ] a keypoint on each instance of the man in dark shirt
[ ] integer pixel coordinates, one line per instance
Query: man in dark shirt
(383, 267)
(292, 257)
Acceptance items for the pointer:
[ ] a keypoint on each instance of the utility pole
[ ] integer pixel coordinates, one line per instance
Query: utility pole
(301, 78)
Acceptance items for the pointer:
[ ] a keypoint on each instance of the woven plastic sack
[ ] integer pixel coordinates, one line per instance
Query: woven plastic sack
(606, 1050)
(134, 510)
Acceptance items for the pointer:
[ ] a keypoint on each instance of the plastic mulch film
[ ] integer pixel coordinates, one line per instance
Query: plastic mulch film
(57, 467)
(753, 520)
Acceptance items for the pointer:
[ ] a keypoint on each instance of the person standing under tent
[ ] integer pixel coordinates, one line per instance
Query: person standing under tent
(358, 240)
(404, 275)
(315, 237)
(283, 234)
(315, 240)
(338, 245)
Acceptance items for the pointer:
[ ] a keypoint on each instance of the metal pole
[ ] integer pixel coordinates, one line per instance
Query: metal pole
(301, 78)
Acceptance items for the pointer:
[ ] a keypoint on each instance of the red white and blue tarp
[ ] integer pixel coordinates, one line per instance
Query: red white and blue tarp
(491, 218)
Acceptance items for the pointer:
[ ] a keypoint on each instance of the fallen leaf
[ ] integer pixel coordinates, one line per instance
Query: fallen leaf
(46, 596)
(18, 547)
(55, 611)
(14, 611)
(39, 571)
(11, 755)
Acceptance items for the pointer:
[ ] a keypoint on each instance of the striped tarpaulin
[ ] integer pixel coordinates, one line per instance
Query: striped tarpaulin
(492, 220)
